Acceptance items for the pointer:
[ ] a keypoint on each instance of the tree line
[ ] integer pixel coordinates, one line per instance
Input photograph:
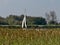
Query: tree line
(51, 18)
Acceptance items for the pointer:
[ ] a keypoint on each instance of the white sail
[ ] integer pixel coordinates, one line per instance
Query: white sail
(24, 22)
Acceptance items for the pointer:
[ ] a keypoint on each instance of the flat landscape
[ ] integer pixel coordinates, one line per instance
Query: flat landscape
(29, 36)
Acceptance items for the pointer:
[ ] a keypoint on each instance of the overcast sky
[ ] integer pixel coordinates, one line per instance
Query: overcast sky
(33, 7)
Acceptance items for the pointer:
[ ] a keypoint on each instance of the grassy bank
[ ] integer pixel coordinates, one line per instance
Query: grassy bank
(29, 36)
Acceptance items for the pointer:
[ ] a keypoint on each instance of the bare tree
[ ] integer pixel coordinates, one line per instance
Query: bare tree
(51, 17)
(47, 18)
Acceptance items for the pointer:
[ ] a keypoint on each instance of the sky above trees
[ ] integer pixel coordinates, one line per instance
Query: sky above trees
(33, 7)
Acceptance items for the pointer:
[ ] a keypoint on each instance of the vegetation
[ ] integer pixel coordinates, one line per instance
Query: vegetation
(17, 20)
(11, 32)
(18, 36)
(40, 21)
(51, 18)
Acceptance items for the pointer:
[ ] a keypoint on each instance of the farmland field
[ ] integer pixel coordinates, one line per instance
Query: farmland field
(20, 36)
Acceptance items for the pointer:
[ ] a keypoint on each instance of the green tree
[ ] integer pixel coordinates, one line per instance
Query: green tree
(40, 21)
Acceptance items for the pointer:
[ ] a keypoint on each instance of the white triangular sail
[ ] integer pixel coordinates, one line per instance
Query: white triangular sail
(24, 22)
(24, 25)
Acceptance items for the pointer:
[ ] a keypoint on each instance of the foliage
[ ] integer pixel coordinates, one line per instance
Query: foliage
(51, 18)
(29, 36)
(17, 20)
(3, 21)
(40, 21)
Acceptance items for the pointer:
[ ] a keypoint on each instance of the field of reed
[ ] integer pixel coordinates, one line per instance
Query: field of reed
(29, 36)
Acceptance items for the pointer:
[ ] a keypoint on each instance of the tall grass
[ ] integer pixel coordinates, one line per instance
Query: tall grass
(29, 36)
